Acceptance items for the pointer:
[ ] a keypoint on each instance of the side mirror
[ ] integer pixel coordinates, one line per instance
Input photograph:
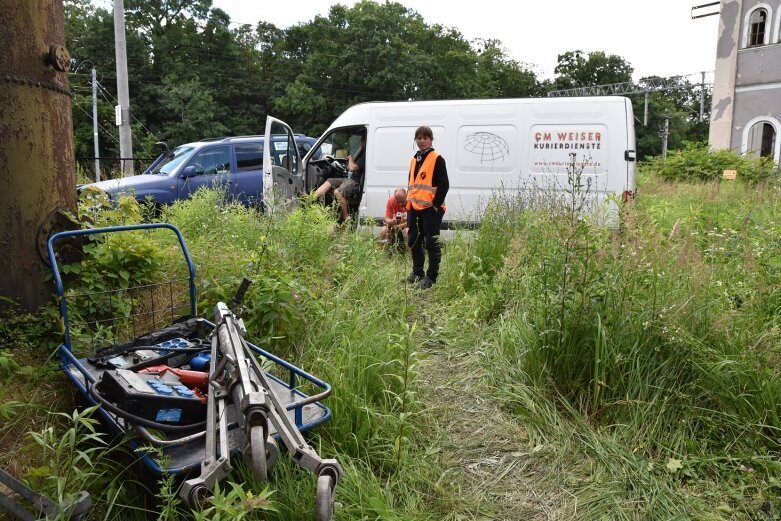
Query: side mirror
(189, 171)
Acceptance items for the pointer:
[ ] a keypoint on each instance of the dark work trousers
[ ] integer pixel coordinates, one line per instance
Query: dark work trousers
(423, 232)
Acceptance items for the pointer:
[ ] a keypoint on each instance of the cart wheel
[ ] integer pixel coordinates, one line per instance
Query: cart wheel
(198, 496)
(272, 452)
(257, 449)
(325, 498)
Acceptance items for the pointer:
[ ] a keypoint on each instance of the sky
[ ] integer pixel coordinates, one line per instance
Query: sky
(657, 37)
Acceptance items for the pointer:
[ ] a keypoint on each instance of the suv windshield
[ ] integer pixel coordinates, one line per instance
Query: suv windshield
(174, 159)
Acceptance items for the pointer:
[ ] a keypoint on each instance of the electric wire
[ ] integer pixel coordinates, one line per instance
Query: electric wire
(108, 133)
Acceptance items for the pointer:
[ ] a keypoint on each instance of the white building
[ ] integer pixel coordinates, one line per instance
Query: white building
(746, 113)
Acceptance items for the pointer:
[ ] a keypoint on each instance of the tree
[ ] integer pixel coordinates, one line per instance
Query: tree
(499, 77)
(681, 104)
(193, 75)
(375, 51)
(192, 111)
(579, 69)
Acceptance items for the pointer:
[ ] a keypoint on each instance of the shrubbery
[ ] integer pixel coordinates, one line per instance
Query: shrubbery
(696, 162)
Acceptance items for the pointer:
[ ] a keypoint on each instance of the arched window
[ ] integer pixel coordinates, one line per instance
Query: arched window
(757, 27)
(761, 140)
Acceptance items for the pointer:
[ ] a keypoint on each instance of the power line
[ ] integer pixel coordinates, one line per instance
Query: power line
(107, 132)
(644, 86)
(104, 92)
(628, 87)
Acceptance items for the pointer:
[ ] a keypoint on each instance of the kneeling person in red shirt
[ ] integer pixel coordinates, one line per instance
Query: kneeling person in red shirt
(394, 229)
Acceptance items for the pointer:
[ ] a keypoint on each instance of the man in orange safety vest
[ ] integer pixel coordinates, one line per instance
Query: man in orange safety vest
(428, 186)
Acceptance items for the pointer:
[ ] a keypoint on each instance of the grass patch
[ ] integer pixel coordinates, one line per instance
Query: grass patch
(556, 369)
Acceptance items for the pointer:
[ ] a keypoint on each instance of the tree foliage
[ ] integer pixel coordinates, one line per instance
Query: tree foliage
(193, 73)
(580, 69)
(681, 105)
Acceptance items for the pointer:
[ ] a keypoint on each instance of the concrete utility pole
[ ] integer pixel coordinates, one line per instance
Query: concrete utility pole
(36, 145)
(123, 109)
(95, 123)
(665, 135)
(702, 97)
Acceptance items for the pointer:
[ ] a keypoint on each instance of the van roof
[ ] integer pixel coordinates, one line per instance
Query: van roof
(362, 113)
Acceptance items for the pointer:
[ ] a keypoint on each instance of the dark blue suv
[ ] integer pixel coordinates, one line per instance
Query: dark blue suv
(232, 163)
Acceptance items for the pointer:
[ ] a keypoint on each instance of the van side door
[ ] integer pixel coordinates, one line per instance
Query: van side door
(283, 178)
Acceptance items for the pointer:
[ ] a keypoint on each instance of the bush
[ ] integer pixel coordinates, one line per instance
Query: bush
(698, 163)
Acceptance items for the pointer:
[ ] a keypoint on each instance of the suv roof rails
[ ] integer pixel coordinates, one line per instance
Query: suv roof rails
(245, 137)
(228, 138)
(231, 138)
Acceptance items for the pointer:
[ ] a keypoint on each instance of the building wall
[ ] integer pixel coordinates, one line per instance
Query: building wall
(724, 80)
(747, 85)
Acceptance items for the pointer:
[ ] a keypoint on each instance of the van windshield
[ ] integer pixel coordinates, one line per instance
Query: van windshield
(174, 159)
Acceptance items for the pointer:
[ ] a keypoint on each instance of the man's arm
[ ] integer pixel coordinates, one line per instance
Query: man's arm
(441, 181)
(390, 216)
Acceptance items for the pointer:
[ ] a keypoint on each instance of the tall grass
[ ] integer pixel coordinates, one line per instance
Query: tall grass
(328, 300)
(646, 353)
(641, 361)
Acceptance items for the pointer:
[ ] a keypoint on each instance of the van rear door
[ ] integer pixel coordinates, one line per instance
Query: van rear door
(630, 156)
(283, 179)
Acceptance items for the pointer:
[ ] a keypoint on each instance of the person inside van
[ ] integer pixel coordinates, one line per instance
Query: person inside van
(347, 190)
(394, 229)
(428, 186)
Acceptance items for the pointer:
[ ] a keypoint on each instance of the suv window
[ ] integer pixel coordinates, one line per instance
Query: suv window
(249, 156)
(174, 159)
(212, 161)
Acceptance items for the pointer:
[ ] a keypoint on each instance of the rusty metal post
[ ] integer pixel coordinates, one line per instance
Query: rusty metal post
(36, 144)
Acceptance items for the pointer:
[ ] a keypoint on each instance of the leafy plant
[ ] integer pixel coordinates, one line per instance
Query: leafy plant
(696, 162)
(234, 504)
(68, 461)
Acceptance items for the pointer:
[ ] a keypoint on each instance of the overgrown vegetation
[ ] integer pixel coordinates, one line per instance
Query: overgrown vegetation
(630, 372)
(695, 162)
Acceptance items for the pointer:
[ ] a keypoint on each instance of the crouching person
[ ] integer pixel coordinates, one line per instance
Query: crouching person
(393, 234)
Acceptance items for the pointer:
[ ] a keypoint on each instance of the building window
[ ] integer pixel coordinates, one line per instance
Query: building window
(757, 27)
(761, 140)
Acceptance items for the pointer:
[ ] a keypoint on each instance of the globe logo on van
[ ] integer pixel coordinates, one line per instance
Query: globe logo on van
(488, 146)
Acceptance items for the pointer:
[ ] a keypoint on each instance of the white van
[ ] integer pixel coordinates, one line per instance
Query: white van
(489, 145)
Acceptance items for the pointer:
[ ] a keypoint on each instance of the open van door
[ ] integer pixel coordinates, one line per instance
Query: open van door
(283, 179)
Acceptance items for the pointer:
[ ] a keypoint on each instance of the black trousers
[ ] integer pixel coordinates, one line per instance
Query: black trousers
(423, 233)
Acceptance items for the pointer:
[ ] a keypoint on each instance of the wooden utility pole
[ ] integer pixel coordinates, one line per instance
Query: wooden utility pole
(36, 145)
(123, 92)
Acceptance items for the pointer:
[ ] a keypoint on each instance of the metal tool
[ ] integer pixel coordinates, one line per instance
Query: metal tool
(235, 377)
(45, 508)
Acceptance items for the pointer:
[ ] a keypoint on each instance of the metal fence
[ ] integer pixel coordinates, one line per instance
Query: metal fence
(110, 167)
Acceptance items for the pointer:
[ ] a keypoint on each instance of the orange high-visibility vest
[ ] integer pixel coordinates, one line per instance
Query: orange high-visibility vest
(420, 192)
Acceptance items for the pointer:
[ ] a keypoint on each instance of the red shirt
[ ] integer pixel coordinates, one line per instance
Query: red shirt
(394, 209)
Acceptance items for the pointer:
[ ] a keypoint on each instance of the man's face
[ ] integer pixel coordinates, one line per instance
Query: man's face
(401, 199)
(422, 141)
